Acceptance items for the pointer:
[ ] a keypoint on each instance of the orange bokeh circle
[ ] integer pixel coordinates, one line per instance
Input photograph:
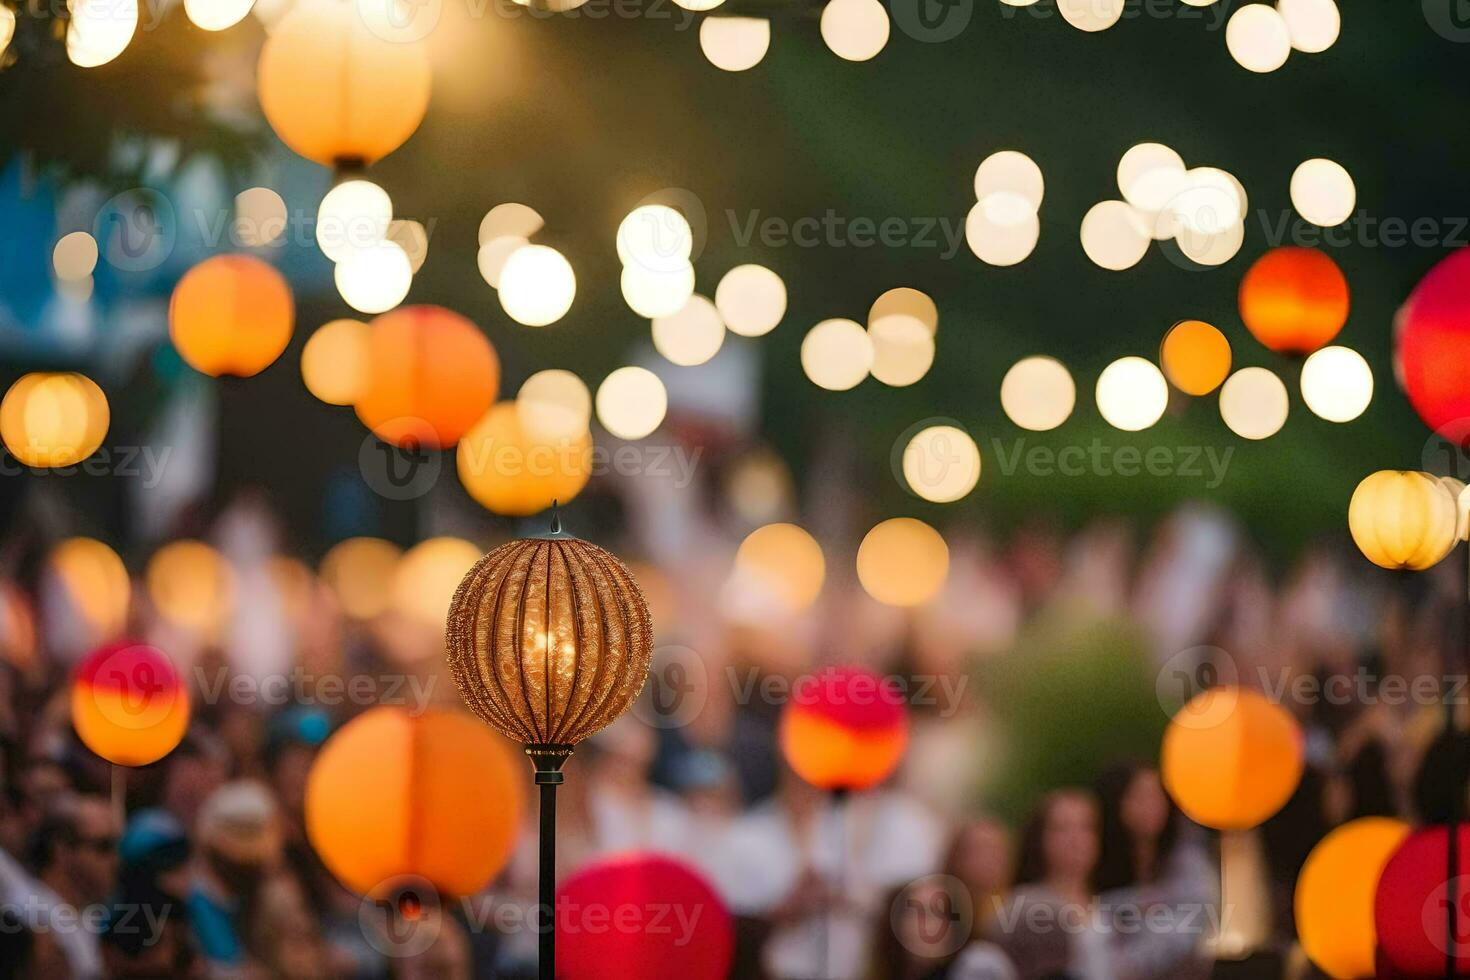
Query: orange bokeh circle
(1294, 300)
(431, 375)
(231, 314)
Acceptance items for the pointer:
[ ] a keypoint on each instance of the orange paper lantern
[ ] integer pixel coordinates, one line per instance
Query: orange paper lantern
(511, 472)
(1294, 300)
(431, 376)
(844, 728)
(431, 795)
(231, 314)
(128, 703)
(337, 86)
(1195, 356)
(1231, 759)
(1335, 892)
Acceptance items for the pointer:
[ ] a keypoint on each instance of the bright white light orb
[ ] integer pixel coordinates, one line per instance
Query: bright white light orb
(217, 15)
(998, 244)
(354, 214)
(1091, 15)
(655, 237)
(692, 335)
(74, 257)
(1337, 384)
(905, 301)
(260, 217)
(1013, 173)
(751, 300)
(1253, 403)
(1114, 235)
(509, 220)
(1257, 38)
(1322, 191)
(492, 255)
(836, 354)
(99, 30)
(537, 285)
(734, 43)
(1038, 393)
(1211, 201)
(374, 279)
(631, 402)
(650, 293)
(1313, 25)
(855, 30)
(903, 349)
(941, 464)
(1210, 249)
(554, 404)
(1149, 174)
(699, 5)
(7, 27)
(413, 238)
(1132, 394)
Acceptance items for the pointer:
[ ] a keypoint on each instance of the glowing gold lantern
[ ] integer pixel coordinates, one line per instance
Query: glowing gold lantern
(1231, 759)
(549, 639)
(53, 419)
(511, 471)
(334, 362)
(1335, 892)
(231, 314)
(431, 375)
(431, 795)
(338, 87)
(1403, 519)
(191, 586)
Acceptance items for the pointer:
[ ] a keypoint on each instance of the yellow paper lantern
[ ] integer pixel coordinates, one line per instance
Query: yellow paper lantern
(902, 562)
(53, 419)
(95, 582)
(427, 575)
(512, 472)
(1231, 759)
(1335, 893)
(334, 362)
(191, 585)
(338, 87)
(1403, 519)
(359, 571)
(432, 795)
(231, 314)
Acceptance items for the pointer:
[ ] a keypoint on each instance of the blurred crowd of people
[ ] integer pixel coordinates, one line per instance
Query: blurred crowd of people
(199, 865)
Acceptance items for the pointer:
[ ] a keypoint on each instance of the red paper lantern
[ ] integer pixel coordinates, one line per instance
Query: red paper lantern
(1294, 300)
(844, 728)
(1432, 348)
(1410, 907)
(641, 915)
(128, 703)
